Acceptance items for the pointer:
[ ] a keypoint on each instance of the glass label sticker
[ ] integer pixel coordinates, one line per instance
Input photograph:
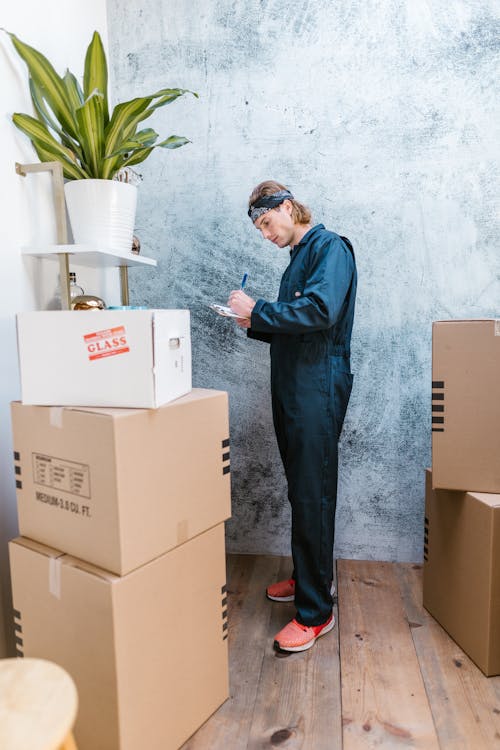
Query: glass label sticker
(106, 343)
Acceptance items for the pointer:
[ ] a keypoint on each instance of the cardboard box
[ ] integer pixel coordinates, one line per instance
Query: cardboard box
(147, 651)
(3, 626)
(118, 487)
(466, 405)
(462, 570)
(124, 358)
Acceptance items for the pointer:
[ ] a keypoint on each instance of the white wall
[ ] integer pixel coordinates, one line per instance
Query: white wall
(27, 216)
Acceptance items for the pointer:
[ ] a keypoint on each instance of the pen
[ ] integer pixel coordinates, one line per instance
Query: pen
(244, 281)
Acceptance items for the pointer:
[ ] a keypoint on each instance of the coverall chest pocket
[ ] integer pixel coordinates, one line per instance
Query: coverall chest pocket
(296, 286)
(293, 285)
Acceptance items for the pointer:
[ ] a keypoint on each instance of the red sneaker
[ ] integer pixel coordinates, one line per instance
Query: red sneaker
(284, 591)
(298, 637)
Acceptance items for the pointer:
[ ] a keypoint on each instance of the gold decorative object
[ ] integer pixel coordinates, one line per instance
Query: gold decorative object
(87, 302)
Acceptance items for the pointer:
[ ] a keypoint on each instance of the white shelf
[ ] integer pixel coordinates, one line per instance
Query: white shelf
(86, 255)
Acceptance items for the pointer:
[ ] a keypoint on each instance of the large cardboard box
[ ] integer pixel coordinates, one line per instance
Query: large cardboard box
(466, 405)
(462, 570)
(118, 487)
(147, 651)
(124, 358)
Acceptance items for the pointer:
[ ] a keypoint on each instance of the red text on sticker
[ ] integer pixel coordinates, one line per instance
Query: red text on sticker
(106, 343)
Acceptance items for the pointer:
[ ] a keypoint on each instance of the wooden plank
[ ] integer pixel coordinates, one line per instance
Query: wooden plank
(298, 701)
(465, 704)
(384, 703)
(293, 702)
(249, 613)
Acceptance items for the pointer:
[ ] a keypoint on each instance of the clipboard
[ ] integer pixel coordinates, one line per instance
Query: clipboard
(226, 312)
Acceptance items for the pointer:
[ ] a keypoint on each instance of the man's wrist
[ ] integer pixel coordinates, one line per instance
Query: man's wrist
(257, 305)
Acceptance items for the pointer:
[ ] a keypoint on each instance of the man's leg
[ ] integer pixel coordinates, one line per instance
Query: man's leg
(312, 487)
(312, 435)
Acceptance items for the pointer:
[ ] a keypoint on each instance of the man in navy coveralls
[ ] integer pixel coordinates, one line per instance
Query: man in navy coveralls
(309, 330)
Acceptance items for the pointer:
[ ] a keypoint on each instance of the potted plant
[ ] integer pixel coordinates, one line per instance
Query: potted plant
(73, 125)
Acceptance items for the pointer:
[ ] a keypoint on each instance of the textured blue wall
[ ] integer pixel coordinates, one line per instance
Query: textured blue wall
(382, 117)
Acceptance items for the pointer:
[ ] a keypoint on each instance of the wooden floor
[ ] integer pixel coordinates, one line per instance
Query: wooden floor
(387, 677)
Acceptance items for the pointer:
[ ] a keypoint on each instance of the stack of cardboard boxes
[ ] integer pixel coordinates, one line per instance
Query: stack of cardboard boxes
(119, 572)
(462, 514)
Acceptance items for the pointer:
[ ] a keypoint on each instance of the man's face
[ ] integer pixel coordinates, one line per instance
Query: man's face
(277, 225)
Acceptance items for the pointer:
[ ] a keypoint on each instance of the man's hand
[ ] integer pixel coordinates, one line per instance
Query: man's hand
(242, 304)
(243, 322)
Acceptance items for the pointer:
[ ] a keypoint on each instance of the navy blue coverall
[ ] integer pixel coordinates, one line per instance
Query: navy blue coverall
(309, 329)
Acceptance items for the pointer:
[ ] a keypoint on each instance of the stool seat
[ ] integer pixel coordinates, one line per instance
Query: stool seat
(38, 705)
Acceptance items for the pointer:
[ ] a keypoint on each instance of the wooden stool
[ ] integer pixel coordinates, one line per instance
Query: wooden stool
(38, 705)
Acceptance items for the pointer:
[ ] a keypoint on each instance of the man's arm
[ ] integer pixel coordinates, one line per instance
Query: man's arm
(265, 337)
(319, 306)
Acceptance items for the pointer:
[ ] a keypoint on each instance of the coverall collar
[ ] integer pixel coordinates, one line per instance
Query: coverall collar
(306, 238)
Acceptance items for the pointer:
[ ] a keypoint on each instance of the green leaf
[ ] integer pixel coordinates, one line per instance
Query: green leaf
(46, 117)
(125, 148)
(44, 114)
(174, 141)
(36, 129)
(51, 84)
(121, 128)
(73, 90)
(165, 97)
(137, 157)
(70, 170)
(140, 140)
(96, 72)
(124, 115)
(170, 95)
(43, 140)
(91, 127)
(146, 137)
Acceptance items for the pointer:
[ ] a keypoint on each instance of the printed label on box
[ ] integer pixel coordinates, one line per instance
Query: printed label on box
(63, 504)
(60, 474)
(106, 343)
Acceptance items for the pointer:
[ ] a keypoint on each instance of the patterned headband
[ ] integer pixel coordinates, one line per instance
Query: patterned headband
(267, 202)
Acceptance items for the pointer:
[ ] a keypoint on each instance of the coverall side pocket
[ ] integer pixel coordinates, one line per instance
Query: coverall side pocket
(341, 384)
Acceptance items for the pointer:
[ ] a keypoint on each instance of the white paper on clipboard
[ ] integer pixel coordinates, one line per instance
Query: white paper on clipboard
(226, 312)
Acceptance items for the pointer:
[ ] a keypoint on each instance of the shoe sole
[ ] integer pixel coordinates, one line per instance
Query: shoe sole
(292, 598)
(281, 598)
(307, 645)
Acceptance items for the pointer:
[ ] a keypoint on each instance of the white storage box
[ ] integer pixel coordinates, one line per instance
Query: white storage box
(123, 358)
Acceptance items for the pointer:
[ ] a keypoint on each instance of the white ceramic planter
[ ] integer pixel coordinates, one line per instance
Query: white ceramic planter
(102, 213)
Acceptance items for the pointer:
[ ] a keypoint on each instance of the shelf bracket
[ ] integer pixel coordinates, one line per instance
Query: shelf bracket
(56, 170)
(124, 285)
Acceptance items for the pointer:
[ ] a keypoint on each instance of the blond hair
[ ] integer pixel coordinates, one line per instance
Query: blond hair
(300, 213)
